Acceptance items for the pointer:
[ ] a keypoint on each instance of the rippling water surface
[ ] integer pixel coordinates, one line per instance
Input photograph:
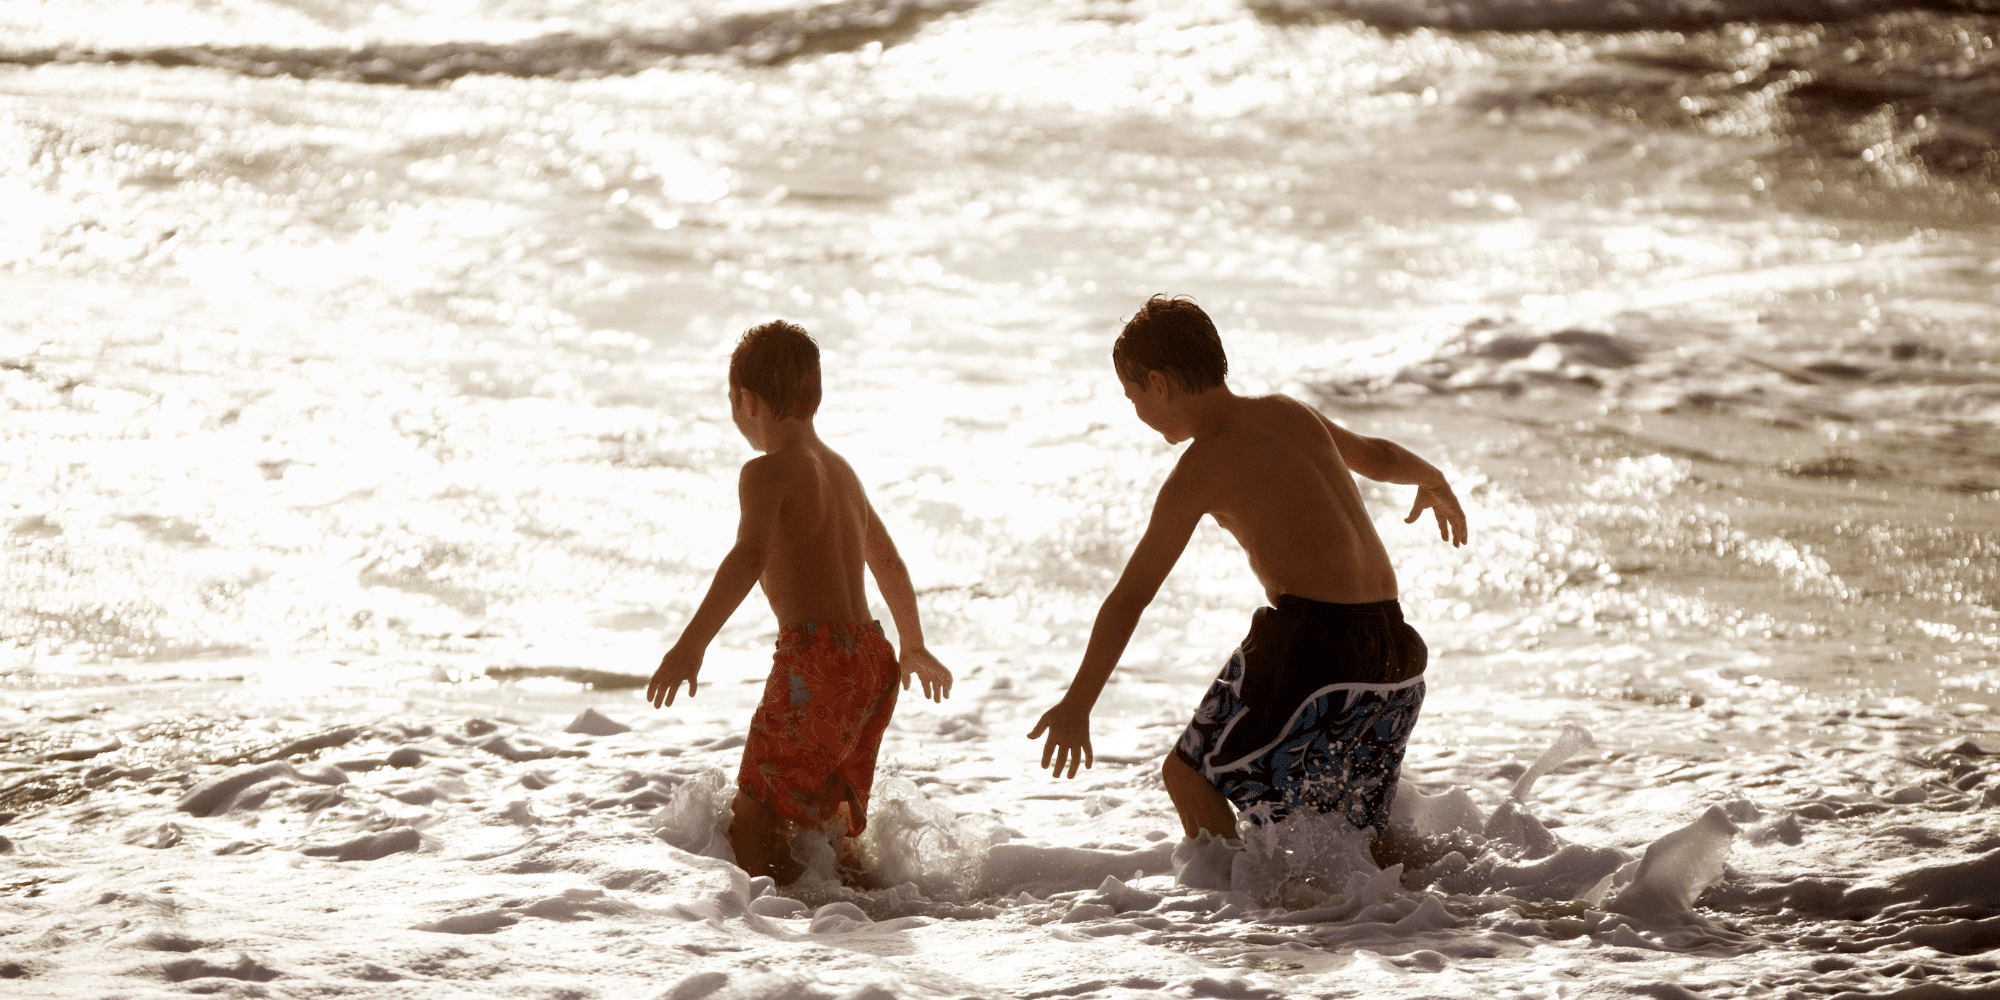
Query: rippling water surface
(366, 362)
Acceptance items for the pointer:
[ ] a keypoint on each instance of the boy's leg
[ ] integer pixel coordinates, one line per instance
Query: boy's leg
(758, 838)
(1201, 805)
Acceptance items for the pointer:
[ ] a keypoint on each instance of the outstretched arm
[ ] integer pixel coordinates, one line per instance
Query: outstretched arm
(894, 579)
(1385, 461)
(758, 496)
(1175, 514)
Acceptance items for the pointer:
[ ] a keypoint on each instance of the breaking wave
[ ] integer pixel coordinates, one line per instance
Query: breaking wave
(1597, 15)
(756, 38)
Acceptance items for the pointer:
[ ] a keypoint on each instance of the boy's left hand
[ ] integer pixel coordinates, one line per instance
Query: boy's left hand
(675, 667)
(926, 668)
(1069, 738)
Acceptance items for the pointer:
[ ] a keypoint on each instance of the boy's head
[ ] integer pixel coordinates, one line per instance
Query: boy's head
(778, 362)
(1172, 336)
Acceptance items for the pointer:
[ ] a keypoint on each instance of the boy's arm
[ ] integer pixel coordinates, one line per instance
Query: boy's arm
(758, 495)
(1385, 461)
(894, 579)
(1175, 515)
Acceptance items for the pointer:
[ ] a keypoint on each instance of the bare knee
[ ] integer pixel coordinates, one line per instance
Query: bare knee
(1201, 805)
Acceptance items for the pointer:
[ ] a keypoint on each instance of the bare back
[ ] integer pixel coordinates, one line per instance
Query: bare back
(813, 572)
(1275, 479)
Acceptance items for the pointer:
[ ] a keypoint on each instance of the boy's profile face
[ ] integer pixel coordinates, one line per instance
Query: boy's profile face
(1151, 401)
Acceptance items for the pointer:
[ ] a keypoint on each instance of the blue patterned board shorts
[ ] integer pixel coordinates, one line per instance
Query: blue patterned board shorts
(1313, 711)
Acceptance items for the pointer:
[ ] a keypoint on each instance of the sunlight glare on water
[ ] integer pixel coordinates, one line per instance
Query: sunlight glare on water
(365, 421)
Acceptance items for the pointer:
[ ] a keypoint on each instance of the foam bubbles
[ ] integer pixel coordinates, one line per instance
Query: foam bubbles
(1677, 867)
(697, 815)
(913, 839)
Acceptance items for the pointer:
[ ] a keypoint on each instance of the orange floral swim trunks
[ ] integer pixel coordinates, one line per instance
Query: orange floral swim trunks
(814, 738)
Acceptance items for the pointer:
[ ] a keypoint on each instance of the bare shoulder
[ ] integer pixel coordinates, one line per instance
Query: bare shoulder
(840, 474)
(779, 473)
(1318, 426)
(1296, 412)
(1197, 472)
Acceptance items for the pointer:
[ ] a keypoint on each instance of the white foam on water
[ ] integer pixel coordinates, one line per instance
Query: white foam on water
(397, 412)
(1676, 868)
(696, 817)
(915, 840)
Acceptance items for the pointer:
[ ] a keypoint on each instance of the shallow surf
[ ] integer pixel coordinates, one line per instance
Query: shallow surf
(362, 369)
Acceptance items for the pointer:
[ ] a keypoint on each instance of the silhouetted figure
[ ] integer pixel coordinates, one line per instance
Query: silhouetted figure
(1315, 706)
(805, 531)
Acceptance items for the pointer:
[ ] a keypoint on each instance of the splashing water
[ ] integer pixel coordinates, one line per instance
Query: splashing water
(915, 840)
(697, 815)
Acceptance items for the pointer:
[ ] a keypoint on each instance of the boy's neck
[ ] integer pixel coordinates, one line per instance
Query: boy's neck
(787, 434)
(1208, 412)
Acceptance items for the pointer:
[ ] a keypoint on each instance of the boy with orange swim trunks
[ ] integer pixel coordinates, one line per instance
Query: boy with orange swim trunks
(805, 531)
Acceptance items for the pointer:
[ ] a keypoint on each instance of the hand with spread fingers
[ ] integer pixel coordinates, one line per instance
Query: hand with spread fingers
(934, 676)
(1439, 500)
(1069, 738)
(675, 667)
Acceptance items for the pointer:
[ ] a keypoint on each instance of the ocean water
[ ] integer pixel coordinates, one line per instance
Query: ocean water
(364, 423)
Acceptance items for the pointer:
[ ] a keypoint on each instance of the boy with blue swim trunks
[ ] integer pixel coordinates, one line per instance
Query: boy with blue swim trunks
(1313, 709)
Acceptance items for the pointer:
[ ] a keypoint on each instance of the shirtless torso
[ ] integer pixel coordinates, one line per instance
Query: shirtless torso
(1273, 476)
(812, 568)
(1274, 473)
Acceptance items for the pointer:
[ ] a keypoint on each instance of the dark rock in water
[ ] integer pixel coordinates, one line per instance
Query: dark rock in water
(370, 847)
(480, 727)
(591, 723)
(404, 757)
(1592, 348)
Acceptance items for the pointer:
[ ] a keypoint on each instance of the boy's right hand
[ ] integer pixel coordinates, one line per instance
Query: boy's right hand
(1069, 738)
(675, 667)
(926, 668)
(1439, 500)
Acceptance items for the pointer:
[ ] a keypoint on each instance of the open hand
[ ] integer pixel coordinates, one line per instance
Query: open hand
(675, 667)
(1450, 517)
(936, 680)
(1069, 738)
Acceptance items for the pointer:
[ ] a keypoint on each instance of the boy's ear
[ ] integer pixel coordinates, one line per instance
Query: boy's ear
(1159, 381)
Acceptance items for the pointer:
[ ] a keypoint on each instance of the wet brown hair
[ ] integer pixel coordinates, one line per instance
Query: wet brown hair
(780, 363)
(1171, 335)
